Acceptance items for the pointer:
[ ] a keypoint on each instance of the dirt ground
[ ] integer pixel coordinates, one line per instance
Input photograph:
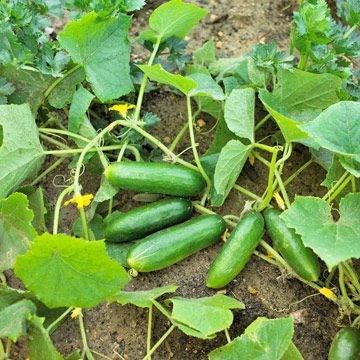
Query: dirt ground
(120, 331)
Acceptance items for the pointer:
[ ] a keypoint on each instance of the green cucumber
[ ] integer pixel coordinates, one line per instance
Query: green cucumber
(169, 246)
(142, 221)
(346, 345)
(300, 258)
(158, 178)
(237, 250)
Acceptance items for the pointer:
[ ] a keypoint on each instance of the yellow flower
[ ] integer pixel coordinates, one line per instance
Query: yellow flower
(80, 201)
(122, 108)
(251, 159)
(279, 200)
(252, 291)
(327, 293)
(75, 313)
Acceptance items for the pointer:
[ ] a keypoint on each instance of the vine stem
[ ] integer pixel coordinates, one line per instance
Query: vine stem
(339, 189)
(58, 80)
(59, 201)
(47, 171)
(262, 121)
(352, 275)
(228, 338)
(269, 189)
(297, 172)
(158, 143)
(178, 137)
(63, 132)
(50, 329)
(86, 349)
(148, 339)
(162, 339)
(247, 192)
(193, 145)
(350, 31)
(203, 210)
(144, 81)
(336, 185)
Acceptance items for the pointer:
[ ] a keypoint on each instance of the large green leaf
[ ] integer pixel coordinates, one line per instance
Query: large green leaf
(205, 55)
(78, 272)
(157, 73)
(264, 339)
(338, 129)
(62, 94)
(228, 168)
(39, 342)
(16, 230)
(292, 353)
(174, 18)
(101, 46)
(21, 153)
(206, 86)
(205, 316)
(13, 319)
(37, 203)
(333, 241)
(239, 112)
(143, 298)
(30, 86)
(299, 97)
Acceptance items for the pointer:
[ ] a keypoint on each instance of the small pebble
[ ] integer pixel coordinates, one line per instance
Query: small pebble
(219, 45)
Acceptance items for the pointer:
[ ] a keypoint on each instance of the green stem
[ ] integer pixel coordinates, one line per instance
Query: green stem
(159, 144)
(47, 171)
(54, 325)
(53, 141)
(352, 275)
(59, 80)
(148, 340)
(270, 149)
(86, 349)
(282, 190)
(350, 31)
(342, 284)
(58, 208)
(262, 121)
(246, 192)
(269, 192)
(85, 229)
(353, 183)
(228, 338)
(297, 172)
(63, 132)
(178, 137)
(162, 339)
(339, 189)
(193, 145)
(267, 259)
(8, 348)
(122, 150)
(144, 81)
(2, 351)
(203, 210)
(330, 277)
(336, 185)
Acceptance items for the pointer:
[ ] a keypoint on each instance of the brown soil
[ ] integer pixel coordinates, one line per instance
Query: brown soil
(112, 329)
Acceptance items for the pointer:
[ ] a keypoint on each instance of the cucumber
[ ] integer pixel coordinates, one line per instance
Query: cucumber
(169, 246)
(300, 258)
(158, 178)
(346, 345)
(237, 250)
(144, 220)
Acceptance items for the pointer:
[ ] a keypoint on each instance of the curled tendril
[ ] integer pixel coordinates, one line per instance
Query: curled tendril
(62, 184)
(133, 273)
(82, 170)
(60, 138)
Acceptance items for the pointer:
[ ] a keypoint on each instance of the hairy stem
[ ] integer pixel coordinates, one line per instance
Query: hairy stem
(59, 202)
(54, 325)
(47, 171)
(162, 339)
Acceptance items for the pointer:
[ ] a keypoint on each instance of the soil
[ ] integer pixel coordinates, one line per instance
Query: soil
(120, 331)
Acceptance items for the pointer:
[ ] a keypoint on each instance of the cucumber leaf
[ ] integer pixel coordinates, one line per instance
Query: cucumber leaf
(143, 298)
(62, 94)
(239, 112)
(265, 339)
(16, 230)
(174, 18)
(292, 353)
(203, 317)
(206, 86)
(300, 97)
(30, 86)
(230, 163)
(205, 55)
(157, 73)
(333, 241)
(79, 272)
(13, 319)
(338, 129)
(6, 89)
(39, 342)
(101, 46)
(79, 105)
(37, 203)
(21, 153)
